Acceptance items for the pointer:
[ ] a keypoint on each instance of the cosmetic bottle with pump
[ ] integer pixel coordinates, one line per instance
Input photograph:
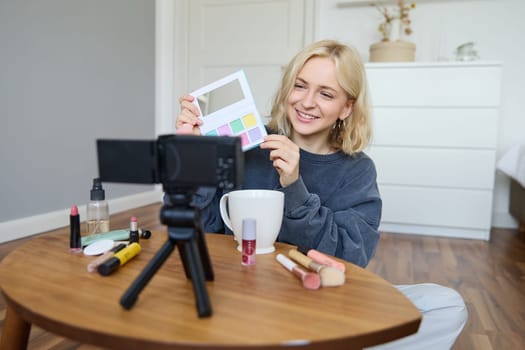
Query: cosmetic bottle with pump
(97, 210)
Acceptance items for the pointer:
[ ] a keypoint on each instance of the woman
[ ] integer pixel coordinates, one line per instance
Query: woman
(331, 199)
(319, 126)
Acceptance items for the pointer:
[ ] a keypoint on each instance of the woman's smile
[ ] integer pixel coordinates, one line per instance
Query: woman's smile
(305, 117)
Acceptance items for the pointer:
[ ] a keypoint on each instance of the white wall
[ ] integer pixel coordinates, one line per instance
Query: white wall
(495, 26)
(71, 71)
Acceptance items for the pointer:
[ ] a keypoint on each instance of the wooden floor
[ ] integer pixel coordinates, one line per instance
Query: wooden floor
(489, 275)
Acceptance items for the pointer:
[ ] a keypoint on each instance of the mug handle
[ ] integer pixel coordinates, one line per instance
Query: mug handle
(224, 212)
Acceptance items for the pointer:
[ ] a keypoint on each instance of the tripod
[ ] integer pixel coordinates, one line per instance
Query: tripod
(184, 231)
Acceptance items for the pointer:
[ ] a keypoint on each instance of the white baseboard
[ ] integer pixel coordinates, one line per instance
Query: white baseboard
(504, 220)
(24, 227)
(499, 220)
(437, 231)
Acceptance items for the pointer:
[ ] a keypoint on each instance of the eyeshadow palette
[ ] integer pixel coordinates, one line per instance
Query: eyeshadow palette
(227, 108)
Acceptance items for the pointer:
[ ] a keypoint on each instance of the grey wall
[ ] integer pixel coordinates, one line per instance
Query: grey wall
(71, 71)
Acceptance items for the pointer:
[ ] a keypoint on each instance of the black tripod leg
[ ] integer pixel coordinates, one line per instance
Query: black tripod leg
(205, 257)
(129, 298)
(182, 234)
(196, 272)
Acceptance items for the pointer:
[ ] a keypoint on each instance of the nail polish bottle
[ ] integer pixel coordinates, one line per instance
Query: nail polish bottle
(248, 242)
(97, 210)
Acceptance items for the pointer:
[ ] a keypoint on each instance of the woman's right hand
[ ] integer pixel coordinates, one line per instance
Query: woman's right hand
(188, 121)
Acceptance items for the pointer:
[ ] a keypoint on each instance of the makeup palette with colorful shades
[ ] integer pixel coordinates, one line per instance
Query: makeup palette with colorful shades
(227, 108)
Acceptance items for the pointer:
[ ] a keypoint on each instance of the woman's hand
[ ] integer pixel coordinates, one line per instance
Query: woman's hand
(285, 157)
(187, 121)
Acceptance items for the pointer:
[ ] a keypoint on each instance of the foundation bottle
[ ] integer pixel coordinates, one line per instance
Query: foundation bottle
(97, 210)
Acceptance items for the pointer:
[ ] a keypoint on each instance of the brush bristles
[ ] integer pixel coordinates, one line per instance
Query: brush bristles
(331, 277)
(311, 281)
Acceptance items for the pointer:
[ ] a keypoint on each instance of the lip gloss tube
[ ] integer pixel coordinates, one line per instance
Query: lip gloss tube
(75, 240)
(92, 266)
(119, 259)
(248, 242)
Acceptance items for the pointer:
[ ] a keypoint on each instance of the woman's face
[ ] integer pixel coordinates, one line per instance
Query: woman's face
(316, 102)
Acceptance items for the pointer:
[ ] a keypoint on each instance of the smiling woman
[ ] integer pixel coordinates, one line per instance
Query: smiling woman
(314, 155)
(320, 124)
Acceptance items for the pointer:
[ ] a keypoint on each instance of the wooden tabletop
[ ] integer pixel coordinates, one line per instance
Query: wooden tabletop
(262, 306)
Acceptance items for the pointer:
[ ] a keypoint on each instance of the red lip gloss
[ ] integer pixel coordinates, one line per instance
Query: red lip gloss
(75, 240)
(248, 242)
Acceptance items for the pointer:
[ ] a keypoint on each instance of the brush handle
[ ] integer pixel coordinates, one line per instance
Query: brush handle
(324, 259)
(310, 280)
(291, 266)
(304, 260)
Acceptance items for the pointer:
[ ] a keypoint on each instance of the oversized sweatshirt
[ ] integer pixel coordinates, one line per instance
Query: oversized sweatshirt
(334, 206)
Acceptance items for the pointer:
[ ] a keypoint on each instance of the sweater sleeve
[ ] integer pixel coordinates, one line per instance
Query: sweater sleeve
(206, 199)
(346, 226)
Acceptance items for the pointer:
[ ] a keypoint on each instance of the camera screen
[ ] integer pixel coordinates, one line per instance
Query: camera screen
(185, 163)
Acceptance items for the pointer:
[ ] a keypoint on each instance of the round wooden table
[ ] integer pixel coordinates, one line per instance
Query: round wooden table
(258, 307)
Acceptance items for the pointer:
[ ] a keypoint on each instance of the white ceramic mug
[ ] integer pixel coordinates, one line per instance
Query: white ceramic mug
(265, 206)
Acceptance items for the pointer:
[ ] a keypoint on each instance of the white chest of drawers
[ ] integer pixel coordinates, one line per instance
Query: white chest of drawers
(435, 139)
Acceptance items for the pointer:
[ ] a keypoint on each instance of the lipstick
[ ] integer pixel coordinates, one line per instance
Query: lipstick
(133, 230)
(75, 240)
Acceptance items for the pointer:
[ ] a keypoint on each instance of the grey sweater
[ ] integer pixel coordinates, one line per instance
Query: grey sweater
(334, 206)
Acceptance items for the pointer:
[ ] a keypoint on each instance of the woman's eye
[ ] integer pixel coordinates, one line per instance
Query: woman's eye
(327, 95)
(299, 86)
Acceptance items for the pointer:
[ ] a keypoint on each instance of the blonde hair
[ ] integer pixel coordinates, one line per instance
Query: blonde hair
(352, 135)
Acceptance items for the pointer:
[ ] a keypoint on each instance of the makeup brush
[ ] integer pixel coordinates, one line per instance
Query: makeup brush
(310, 280)
(323, 259)
(330, 276)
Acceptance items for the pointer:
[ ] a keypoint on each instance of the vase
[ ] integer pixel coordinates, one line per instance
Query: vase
(392, 51)
(394, 32)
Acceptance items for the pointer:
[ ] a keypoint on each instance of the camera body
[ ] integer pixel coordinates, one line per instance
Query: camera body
(179, 162)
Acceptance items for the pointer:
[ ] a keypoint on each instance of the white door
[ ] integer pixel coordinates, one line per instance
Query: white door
(258, 36)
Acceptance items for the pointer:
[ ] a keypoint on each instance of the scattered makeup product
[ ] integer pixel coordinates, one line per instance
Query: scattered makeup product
(324, 259)
(119, 259)
(116, 235)
(99, 247)
(133, 230)
(97, 209)
(248, 242)
(236, 115)
(92, 266)
(310, 280)
(330, 276)
(75, 240)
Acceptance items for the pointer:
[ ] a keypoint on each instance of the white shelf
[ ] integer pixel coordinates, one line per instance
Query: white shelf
(422, 64)
(357, 3)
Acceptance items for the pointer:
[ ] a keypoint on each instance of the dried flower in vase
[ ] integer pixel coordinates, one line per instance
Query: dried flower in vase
(397, 16)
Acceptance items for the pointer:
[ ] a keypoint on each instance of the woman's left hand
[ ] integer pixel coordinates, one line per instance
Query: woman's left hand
(285, 157)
